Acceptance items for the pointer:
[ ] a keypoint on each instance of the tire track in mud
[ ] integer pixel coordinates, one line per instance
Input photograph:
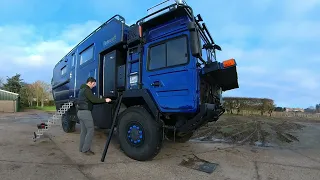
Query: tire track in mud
(254, 131)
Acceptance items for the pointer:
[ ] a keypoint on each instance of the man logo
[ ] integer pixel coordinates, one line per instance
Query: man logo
(111, 40)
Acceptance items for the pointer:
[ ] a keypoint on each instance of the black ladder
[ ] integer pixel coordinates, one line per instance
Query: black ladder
(114, 122)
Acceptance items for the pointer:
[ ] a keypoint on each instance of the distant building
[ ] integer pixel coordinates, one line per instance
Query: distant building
(294, 110)
(9, 101)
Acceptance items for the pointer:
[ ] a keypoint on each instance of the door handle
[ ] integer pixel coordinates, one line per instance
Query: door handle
(155, 84)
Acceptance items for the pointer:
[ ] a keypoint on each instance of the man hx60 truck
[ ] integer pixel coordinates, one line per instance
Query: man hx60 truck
(164, 66)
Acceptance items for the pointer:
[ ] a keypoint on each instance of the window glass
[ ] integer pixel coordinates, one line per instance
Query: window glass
(157, 57)
(171, 53)
(63, 70)
(177, 52)
(73, 59)
(86, 55)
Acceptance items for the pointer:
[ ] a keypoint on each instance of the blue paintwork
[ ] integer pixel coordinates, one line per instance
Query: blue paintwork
(179, 84)
(106, 37)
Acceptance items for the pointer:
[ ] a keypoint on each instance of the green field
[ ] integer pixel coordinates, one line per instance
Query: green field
(45, 108)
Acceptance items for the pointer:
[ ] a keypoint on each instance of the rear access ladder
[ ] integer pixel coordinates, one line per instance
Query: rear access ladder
(52, 121)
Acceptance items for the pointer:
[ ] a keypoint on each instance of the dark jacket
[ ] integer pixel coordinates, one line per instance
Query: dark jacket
(86, 99)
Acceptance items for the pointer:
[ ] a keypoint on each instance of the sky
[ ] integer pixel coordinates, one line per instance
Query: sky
(274, 42)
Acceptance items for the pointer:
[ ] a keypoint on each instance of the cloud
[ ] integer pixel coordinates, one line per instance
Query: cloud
(76, 32)
(23, 49)
(298, 7)
(275, 44)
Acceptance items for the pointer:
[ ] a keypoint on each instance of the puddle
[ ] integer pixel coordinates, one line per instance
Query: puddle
(199, 164)
(263, 144)
(29, 120)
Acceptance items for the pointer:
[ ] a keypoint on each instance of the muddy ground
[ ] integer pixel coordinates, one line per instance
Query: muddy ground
(257, 131)
(242, 148)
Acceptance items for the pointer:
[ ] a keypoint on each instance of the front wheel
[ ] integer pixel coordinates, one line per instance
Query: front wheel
(139, 134)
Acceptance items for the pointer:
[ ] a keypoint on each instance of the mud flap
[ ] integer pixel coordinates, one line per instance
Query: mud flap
(226, 78)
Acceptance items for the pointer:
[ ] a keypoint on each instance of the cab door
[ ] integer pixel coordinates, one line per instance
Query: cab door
(170, 75)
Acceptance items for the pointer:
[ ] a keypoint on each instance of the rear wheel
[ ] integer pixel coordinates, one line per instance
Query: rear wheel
(139, 135)
(68, 123)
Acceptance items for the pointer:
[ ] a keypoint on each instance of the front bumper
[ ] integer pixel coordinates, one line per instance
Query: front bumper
(207, 113)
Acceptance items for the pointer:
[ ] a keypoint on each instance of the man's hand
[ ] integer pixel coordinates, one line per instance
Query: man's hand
(108, 100)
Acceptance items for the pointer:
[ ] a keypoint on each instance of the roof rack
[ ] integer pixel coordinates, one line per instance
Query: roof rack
(172, 6)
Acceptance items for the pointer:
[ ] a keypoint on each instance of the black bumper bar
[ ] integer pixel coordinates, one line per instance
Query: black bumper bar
(208, 113)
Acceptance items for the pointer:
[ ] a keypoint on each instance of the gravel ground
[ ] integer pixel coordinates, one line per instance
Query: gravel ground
(56, 156)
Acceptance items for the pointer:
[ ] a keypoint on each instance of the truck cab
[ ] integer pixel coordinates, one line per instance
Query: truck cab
(165, 69)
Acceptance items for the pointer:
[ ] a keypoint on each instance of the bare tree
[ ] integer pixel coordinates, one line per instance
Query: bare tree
(45, 92)
(30, 93)
(36, 86)
(26, 94)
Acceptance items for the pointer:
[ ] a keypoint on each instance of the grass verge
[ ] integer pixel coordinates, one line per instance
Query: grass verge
(45, 108)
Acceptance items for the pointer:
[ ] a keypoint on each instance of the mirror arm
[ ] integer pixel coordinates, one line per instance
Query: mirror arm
(202, 60)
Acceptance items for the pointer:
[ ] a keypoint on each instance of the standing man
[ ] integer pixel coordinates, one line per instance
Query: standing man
(84, 105)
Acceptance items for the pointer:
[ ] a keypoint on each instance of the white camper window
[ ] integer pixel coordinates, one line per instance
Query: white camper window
(73, 59)
(64, 70)
(86, 55)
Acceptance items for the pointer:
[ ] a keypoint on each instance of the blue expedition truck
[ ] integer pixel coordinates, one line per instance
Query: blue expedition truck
(165, 68)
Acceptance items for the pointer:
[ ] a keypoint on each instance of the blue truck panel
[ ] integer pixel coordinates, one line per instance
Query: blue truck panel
(178, 90)
(171, 27)
(175, 88)
(86, 62)
(158, 68)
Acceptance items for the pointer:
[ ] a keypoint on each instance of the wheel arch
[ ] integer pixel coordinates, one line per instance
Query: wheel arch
(141, 97)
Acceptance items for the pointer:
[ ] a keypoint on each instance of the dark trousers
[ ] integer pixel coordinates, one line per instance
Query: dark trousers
(87, 130)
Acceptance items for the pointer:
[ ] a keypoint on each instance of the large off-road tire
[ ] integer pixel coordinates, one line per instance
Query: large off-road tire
(68, 123)
(139, 134)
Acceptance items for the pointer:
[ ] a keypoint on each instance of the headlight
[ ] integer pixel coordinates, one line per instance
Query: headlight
(133, 79)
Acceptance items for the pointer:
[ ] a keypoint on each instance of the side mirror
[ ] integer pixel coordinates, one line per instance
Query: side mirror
(194, 40)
